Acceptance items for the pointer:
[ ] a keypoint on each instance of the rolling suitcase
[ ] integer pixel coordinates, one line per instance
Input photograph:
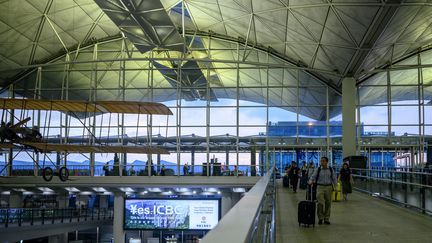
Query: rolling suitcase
(336, 194)
(306, 212)
(285, 181)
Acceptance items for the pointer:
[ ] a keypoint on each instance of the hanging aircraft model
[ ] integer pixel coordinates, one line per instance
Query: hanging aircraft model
(25, 138)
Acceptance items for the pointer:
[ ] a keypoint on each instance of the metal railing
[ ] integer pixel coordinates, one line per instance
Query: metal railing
(252, 219)
(409, 187)
(141, 170)
(17, 217)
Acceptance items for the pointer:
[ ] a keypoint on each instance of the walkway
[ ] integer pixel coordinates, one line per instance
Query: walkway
(361, 219)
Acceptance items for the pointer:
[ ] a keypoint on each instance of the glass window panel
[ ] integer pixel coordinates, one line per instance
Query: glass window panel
(373, 95)
(220, 131)
(427, 76)
(404, 94)
(225, 96)
(428, 130)
(193, 116)
(164, 131)
(251, 131)
(312, 113)
(377, 79)
(374, 115)
(426, 57)
(313, 96)
(283, 97)
(428, 114)
(162, 120)
(277, 114)
(223, 116)
(288, 129)
(375, 131)
(252, 116)
(404, 77)
(405, 115)
(196, 131)
(257, 95)
(404, 130)
(427, 92)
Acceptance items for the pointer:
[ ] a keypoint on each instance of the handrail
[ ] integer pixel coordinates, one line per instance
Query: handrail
(17, 217)
(240, 223)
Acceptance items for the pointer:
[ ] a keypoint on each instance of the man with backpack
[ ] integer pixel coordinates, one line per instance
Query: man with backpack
(325, 178)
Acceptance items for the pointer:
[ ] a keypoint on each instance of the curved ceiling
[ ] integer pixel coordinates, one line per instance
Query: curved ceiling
(327, 39)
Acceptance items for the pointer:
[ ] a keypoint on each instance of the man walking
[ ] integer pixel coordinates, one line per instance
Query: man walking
(325, 178)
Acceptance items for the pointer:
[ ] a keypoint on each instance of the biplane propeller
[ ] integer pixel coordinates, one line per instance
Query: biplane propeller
(32, 138)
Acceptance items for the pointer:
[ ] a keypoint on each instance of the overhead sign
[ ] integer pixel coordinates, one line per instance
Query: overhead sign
(179, 214)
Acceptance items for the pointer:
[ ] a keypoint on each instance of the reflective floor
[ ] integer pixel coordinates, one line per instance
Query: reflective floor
(361, 219)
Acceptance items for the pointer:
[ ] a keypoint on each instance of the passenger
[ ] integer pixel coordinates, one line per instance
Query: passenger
(325, 179)
(293, 175)
(116, 165)
(105, 168)
(345, 177)
(304, 178)
(185, 169)
(162, 171)
(309, 173)
(131, 171)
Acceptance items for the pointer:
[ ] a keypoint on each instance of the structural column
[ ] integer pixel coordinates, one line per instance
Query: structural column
(118, 232)
(193, 161)
(15, 199)
(348, 117)
(63, 200)
(253, 159)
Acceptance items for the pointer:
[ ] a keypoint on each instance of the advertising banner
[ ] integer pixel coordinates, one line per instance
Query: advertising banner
(171, 214)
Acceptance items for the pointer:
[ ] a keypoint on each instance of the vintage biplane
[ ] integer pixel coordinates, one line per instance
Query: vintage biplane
(23, 137)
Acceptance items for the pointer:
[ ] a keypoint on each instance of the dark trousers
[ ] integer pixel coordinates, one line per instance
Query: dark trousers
(294, 182)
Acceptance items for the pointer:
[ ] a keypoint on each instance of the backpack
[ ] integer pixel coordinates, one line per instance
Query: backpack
(319, 170)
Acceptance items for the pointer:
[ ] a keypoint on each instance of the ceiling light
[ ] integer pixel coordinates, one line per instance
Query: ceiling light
(45, 189)
(72, 189)
(239, 189)
(126, 189)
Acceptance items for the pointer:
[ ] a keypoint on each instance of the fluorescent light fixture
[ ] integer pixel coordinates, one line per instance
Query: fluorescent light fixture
(5, 192)
(207, 193)
(182, 189)
(19, 189)
(211, 189)
(45, 189)
(86, 193)
(126, 189)
(239, 189)
(194, 192)
(99, 189)
(219, 192)
(144, 192)
(72, 189)
(155, 189)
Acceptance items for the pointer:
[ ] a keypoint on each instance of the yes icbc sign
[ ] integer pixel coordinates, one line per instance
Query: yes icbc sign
(171, 214)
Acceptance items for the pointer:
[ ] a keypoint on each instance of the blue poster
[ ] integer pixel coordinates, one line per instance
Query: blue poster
(171, 214)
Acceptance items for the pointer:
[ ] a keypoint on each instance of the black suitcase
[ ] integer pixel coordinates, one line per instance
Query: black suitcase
(306, 212)
(311, 196)
(285, 181)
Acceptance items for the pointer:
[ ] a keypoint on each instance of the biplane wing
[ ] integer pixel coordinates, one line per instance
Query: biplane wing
(76, 148)
(20, 123)
(6, 145)
(126, 107)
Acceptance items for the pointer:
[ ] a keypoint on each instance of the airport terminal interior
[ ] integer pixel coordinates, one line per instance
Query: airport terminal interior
(178, 121)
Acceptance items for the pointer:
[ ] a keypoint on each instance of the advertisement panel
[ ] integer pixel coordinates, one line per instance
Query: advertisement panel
(180, 214)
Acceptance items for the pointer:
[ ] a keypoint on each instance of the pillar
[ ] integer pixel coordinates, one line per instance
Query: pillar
(253, 159)
(227, 157)
(348, 117)
(103, 201)
(226, 202)
(158, 163)
(118, 232)
(193, 161)
(63, 200)
(15, 199)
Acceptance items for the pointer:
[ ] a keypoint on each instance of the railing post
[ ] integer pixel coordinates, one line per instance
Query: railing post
(32, 217)
(7, 218)
(19, 217)
(43, 216)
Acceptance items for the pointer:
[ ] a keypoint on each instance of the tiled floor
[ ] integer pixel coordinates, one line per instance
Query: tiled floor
(361, 219)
